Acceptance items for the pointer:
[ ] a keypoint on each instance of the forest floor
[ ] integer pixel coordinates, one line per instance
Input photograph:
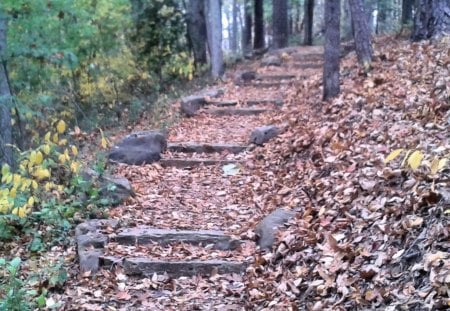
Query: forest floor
(366, 235)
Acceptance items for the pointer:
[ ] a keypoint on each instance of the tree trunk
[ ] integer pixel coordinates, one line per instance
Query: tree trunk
(259, 25)
(214, 30)
(331, 75)
(234, 27)
(6, 155)
(346, 22)
(247, 30)
(432, 19)
(280, 23)
(196, 26)
(308, 21)
(361, 34)
(407, 6)
(382, 9)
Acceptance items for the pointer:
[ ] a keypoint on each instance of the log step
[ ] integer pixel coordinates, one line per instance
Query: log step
(236, 111)
(189, 163)
(307, 65)
(148, 267)
(254, 102)
(144, 235)
(193, 147)
(311, 57)
(271, 84)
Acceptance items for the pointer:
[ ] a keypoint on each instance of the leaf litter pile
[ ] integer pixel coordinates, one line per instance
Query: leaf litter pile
(367, 235)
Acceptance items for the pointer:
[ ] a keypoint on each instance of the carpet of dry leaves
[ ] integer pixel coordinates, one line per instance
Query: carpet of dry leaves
(368, 235)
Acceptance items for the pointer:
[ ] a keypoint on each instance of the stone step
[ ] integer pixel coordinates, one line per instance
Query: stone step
(193, 147)
(271, 84)
(236, 111)
(254, 102)
(311, 57)
(148, 267)
(306, 65)
(146, 235)
(224, 103)
(275, 77)
(189, 163)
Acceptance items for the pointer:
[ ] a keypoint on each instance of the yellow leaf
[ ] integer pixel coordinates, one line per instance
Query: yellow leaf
(13, 193)
(104, 141)
(47, 136)
(55, 138)
(5, 169)
(39, 158)
(30, 201)
(62, 142)
(34, 184)
(61, 127)
(32, 158)
(16, 180)
(442, 164)
(415, 159)
(74, 167)
(74, 150)
(434, 166)
(405, 158)
(41, 173)
(46, 149)
(393, 155)
(62, 158)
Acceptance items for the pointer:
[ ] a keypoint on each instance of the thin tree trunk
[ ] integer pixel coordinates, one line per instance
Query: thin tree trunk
(259, 25)
(214, 30)
(308, 22)
(407, 6)
(247, 30)
(280, 23)
(6, 155)
(362, 34)
(196, 25)
(331, 75)
(234, 27)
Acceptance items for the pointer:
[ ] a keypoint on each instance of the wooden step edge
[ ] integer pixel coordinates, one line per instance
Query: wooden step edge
(190, 163)
(275, 77)
(236, 111)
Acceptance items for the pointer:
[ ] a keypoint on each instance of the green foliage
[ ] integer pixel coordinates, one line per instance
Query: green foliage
(11, 287)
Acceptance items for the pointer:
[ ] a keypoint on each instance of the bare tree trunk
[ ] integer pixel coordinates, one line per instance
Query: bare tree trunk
(407, 6)
(259, 25)
(6, 155)
(214, 30)
(331, 74)
(432, 19)
(197, 30)
(280, 23)
(308, 22)
(234, 27)
(247, 30)
(362, 34)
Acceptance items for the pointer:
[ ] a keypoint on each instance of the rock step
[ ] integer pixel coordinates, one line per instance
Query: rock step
(148, 267)
(146, 235)
(189, 163)
(193, 147)
(306, 65)
(236, 111)
(271, 84)
(275, 77)
(251, 102)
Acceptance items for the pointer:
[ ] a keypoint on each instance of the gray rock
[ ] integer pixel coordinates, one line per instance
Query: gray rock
(89, 260)
(139, 148)
(114, 188)
(147, 235)
(266, 230)
(175, 269)
(91, 240)
(271, 60)
(263, 134)
(191, 104)
(193, 147)
(244, 77)
(213, 93)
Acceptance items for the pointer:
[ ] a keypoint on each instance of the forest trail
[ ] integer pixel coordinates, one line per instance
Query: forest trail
(203, 187)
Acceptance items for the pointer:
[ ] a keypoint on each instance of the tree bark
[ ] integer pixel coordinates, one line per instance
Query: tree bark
(6, 155)
(234, 27)
(214, 31)
(280, 23)
(196, 26)
(407, 10)
(259, 25)
(247, 30)
(432, 19)
(331, 75)
(308, 21)
(361, 34)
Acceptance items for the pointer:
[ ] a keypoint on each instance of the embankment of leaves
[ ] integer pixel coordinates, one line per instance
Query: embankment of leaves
(369, 235)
